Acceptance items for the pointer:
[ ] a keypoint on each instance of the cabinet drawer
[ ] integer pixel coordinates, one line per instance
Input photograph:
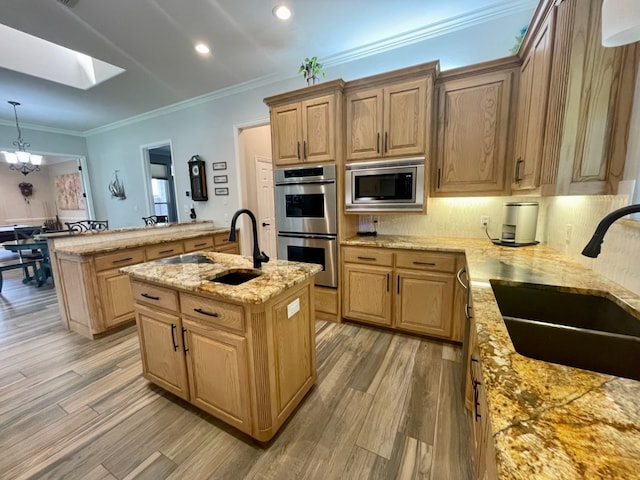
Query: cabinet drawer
(441, 262)
(221, 314)
(371, 256)
(200, 243)
(164, 250)
(154, 295)
(118, 259)
(221, 241)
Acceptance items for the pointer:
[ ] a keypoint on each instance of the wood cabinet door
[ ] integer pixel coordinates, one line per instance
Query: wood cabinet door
(163, 361)
(424, 302)
(218, 373)
(286, 134)
(405, 112)
(473, 130)
(534, 78)
(367, 293)
(116, 298)
(364, 124)
(319, 129)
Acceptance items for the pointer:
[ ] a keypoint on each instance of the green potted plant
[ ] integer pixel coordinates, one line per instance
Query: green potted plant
(311, 69)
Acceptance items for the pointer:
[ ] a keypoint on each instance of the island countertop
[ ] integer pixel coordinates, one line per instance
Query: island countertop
(276, 275)
(549, 421)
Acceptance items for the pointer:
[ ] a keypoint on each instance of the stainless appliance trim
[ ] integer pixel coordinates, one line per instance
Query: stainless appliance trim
(310, 173)
(415, 165)
(327, 224)
(329, 243)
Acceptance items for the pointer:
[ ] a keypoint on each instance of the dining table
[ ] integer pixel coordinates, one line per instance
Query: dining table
(43, 272)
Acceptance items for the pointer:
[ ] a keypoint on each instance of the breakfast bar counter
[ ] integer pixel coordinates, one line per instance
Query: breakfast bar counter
(547, 421)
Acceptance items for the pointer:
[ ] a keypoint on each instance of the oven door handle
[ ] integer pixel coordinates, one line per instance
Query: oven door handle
(311, 182)
(306, 235)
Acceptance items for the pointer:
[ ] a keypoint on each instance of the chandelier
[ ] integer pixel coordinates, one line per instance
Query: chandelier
(21, 160)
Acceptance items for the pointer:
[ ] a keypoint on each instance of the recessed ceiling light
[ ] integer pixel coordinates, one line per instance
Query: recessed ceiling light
(202, 48)
(282, 12)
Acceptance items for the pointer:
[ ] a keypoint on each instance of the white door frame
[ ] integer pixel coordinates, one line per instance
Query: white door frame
(260, 213)
(146, 175)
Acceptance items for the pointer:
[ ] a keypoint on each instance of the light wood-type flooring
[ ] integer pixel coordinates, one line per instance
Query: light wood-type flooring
(385, 406)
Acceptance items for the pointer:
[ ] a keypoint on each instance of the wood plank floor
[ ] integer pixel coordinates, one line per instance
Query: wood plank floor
(384, 407)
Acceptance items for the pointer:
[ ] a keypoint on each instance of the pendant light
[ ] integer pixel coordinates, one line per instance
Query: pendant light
(21, 160)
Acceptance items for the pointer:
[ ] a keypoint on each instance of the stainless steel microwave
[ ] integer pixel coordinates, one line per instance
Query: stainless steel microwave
(387, 185)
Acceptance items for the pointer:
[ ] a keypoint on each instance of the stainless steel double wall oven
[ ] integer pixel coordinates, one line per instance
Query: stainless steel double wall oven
(307, 218)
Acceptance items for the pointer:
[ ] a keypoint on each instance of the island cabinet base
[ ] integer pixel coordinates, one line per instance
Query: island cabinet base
(249, 365)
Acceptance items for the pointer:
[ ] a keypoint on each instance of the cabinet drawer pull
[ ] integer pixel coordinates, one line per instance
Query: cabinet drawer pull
(150, 297)
(184, 343)
(173, 337)
(204, 312)
(123, 260)
(200, 244)
(367, 258)
(171, 250)
(466, 312)
(425, 264)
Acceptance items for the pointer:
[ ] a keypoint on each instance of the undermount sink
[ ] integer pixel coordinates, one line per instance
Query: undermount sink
(188, 258)
(581, 330)
(236, 276)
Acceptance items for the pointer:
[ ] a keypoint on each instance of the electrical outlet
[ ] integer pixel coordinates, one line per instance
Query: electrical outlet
(568, 233)
(484, 221)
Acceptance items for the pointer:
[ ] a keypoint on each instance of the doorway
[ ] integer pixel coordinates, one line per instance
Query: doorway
(159, 163)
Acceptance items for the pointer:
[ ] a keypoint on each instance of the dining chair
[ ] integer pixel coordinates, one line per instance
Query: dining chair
(87, 225)
(153, 219)
(27, 233)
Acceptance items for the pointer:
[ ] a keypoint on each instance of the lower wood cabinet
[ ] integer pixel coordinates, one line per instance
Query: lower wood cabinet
(248, 365)
(414, 291)
(95, 297)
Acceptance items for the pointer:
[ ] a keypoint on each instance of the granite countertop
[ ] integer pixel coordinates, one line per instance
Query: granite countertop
(549, 421)
(111, 245)
(277, 275)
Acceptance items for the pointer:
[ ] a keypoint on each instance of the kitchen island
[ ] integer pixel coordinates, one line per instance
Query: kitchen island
(243, 350)
(538, 420)
(94, 297)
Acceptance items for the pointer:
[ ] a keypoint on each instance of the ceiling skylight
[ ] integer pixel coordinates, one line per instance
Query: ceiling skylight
(39, 58)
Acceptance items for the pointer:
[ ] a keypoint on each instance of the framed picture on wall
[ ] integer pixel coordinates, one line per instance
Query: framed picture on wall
(221, 191)
(220, 179)
(220, 166)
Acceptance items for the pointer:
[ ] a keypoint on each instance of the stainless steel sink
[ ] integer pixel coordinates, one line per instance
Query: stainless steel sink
(235, 276)
(582, 330)
(187, 258)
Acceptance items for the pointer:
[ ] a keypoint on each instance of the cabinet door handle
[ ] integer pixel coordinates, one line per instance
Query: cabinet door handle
(438, 178)
(366, 258)
(204, 312)
(425, 264)
(466, 311)
(387, 282)
(519, 162)
(173, 337)
(150, 297)
(476, 403)
(265, 224)
(462, 271)
(378, 143)
(184, 342)
(122, 260)
(304, 150)
(398, 284)
(386, 142)
(298, 151)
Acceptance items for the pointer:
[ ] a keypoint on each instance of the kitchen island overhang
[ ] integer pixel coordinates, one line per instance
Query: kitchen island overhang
(244, 353)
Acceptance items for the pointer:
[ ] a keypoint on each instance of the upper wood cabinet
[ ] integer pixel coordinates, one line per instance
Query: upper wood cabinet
(305, 125)
(388, 121)
(574, 105)
(474, 126)
(532, 107)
